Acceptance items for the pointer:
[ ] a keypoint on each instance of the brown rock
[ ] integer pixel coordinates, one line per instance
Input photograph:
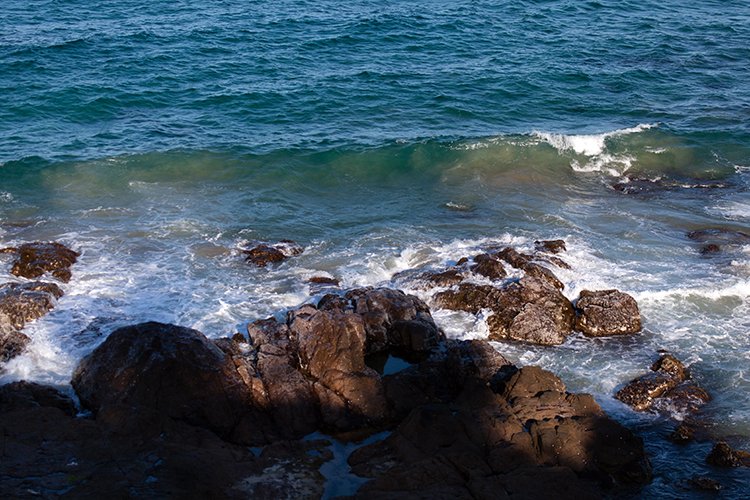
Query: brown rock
(488, 266)
(323, 280)
(35, 259)
(23, 302)
(722, 455)
(164, 372)
(25, 395)
(264, 254)
(12, 342)
(551, 246)
(531, 311)
(641, 392)
(667, 388)
(514, 257)
(607, 312)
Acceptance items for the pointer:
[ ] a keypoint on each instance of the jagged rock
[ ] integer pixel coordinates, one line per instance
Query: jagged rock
(607, 312)
(264, 254)
(35, 259)
(551, 246)
(529, 310)
(722, 455)
(515, 258)
(486, 441)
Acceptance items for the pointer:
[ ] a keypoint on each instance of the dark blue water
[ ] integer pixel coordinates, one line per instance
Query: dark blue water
(161, 138)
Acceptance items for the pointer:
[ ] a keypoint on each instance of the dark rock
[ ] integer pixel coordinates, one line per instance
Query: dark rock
(264, 254)
(160, 372)
(703, 483)
(688, 397)
(641, 392)
(607, 312)
(525, 262)
(488, 266)
(529, 310)
(682, 434)
(551, 246)
(35, 259)
(469, 297)
(323, 280)
(23, 302)
(394, 320)
(645, 186)
(25, 395)
(722, 455)
(710, 248)
(671, 366)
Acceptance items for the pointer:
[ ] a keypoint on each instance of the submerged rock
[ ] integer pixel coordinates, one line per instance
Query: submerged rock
(12, 342)
(607, 312)
(33, 260)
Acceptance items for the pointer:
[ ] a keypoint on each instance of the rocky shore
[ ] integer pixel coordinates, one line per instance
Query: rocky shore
(162, 410)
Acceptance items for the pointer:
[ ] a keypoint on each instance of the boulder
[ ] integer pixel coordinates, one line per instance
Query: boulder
(35, 259)
(12, 342)
(607, 312)
(165, 372)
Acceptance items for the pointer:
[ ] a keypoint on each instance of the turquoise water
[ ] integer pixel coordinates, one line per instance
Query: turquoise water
(159, 140)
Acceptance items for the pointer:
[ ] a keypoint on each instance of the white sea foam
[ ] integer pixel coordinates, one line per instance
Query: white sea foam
(594, 148)
(587, 144)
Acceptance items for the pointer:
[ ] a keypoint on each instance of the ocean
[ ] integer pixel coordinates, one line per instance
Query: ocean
(160, 140)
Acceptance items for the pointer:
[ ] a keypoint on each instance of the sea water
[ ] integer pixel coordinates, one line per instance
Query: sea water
(159, 141)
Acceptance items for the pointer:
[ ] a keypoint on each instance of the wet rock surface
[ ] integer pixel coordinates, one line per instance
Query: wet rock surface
(34, 260)
(530, 310)
(19, 304)
(167, 404)
(607, 312)
(264, 254)
(722, 455)
(668, 388)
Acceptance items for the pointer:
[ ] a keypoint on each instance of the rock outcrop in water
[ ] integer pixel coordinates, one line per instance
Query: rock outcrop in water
(169, 405)
(33, 260)
(264, 254)
(667, 388)
(19, 304)
(607, 312)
